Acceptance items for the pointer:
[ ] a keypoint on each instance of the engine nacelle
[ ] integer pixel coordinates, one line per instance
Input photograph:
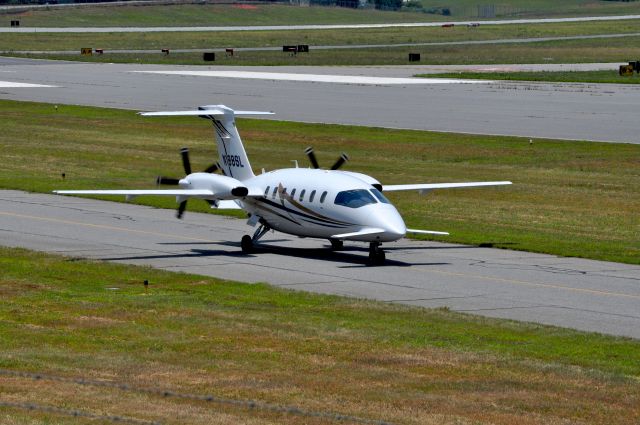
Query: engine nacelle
(223, 187)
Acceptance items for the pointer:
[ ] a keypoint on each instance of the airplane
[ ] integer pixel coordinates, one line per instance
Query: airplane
(307, 202)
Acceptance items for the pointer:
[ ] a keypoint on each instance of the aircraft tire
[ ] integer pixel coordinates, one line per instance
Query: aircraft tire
(336, 244)
(246, 244)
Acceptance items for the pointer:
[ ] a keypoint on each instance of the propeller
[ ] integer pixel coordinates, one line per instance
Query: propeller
(186, 163)
(314, 162)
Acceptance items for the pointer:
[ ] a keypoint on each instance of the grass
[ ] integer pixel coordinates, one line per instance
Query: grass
(554, 77)
(569, 198)
(207, 15)
(278, 14)
(193, 40)
(569, 51)
(536, 9)
(200, 335)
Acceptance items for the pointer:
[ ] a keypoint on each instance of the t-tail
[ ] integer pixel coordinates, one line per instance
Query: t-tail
(233, 158)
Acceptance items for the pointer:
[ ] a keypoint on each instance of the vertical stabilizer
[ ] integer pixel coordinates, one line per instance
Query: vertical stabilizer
(233, 158)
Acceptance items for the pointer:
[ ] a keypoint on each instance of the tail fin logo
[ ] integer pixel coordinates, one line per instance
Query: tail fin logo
(220, 130)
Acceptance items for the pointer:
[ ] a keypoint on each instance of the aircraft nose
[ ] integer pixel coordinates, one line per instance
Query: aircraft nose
(394, 228)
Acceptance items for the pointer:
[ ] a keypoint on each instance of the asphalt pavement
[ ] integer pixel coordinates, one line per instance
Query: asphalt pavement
(583, 294)
(596, 112)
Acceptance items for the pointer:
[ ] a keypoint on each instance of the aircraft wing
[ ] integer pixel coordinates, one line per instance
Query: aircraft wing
(431, 186)
(160, 192)
(363, 232)
(427, 232)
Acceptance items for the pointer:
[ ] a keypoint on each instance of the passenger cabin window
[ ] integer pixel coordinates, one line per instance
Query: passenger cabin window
(355, 198)
(293, 193)
(322, 198)
(275, 190)
(380, 196)
(313, 195)
(284, 191)
(302, 194)
(266, 191)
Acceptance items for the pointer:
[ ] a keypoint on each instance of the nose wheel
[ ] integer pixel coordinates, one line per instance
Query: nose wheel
(376, 254)
(247, 242)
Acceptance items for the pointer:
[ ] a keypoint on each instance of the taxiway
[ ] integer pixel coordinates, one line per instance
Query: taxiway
(583, 294)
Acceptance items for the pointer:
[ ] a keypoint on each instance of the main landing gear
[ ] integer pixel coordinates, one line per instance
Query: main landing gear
(247, 242)
(336, 244)
(376, 254)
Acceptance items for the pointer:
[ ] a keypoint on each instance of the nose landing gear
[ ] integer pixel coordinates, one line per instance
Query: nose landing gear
(247, 242)
(376, 254)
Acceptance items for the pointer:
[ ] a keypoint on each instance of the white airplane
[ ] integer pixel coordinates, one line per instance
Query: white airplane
(307, 202)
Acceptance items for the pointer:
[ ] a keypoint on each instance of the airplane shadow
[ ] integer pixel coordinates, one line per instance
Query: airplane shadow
(356, 256)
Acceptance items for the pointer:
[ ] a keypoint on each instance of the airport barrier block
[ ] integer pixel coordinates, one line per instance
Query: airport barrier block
(626, 70)
(291, 49)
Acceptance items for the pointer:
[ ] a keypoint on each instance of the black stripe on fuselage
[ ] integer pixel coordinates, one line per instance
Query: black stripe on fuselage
(325, 221)
(271, 211)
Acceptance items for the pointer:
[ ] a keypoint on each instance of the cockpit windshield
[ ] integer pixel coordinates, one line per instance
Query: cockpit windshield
(380, 196)
(355, 198)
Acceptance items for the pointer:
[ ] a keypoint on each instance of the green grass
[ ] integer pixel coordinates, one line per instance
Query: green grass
(206, 15)
(555, 77)
(537, 9)
(278, 14)
(200, 335)
(192, 40)
(570, 51)
(569, 198)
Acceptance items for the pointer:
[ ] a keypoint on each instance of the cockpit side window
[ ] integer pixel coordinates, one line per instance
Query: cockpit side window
(355, 198)
(380, 196)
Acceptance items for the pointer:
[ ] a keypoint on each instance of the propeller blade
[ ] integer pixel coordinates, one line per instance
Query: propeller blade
(184, 152)
(167, 180)
(181, 208)
(343, 158)
(312, 157)
(212, 168)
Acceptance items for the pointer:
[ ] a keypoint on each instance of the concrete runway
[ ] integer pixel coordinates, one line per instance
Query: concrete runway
(602, 112)
(582, 294)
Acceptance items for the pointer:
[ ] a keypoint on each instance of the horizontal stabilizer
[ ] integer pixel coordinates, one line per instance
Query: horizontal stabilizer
(427, 232)
(364, 232)
(226, 205)
(201, 112)
(431, 186)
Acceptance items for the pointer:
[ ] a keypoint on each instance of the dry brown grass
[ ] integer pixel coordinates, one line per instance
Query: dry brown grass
(325, 354)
